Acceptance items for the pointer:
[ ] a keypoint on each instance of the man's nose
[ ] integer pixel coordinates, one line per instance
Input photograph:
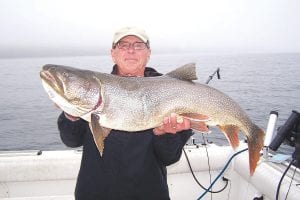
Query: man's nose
(131, 49)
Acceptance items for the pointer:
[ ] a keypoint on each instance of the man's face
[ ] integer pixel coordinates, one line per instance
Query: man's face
(131, 55)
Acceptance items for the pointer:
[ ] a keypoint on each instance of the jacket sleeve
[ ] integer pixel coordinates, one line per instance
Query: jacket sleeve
(168, 147)
(71, 133)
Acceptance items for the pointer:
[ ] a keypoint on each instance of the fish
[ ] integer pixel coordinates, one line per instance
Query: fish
(131, 104)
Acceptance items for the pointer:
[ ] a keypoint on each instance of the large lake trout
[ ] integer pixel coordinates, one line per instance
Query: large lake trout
(108, 102)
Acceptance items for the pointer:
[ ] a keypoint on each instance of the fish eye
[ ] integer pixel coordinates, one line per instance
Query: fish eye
(64, 74)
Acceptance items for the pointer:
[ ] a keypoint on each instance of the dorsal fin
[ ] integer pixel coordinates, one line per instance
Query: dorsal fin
(186, 72)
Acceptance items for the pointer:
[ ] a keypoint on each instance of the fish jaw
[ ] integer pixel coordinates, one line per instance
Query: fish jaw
(71, 91)
(51, 82)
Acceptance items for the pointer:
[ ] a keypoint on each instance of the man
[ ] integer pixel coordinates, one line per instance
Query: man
(134, 164)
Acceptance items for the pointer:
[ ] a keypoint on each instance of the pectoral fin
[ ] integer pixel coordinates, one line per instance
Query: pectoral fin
(197, 121)
(99, 132)
(232, 134)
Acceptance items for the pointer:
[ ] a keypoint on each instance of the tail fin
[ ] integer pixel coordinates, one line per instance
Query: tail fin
(255, 144)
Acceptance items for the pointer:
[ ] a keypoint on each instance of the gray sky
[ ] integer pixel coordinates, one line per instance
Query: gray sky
(87, 26)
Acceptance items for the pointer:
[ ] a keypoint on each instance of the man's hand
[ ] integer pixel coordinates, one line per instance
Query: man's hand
(171, 125)
(69, 117)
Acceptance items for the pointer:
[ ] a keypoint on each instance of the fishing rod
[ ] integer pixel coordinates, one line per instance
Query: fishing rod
(217, 71)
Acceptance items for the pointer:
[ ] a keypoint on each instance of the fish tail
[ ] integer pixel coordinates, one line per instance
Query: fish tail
(255, 144)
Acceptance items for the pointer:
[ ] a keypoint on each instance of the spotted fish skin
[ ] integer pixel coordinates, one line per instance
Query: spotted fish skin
(138, 103)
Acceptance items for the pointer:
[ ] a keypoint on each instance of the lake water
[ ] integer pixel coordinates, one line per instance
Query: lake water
(258, 82)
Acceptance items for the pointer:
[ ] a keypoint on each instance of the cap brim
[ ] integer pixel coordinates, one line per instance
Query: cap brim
(117, 39)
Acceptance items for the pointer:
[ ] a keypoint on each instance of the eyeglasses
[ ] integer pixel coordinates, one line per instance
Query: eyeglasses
(127, 45)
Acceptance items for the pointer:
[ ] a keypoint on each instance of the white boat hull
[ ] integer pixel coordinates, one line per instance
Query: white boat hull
(52, 175)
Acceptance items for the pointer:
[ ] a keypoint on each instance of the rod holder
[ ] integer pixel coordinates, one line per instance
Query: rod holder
(269, 133)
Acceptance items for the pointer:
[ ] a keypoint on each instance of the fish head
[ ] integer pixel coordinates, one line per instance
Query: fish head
(75, 91)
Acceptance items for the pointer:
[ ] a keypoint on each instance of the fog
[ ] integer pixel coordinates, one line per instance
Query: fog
(86, 27)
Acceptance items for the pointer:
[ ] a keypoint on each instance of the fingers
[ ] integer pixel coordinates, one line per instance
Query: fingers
(171, 125)
(173, 120)
(159, 130)
(186, 124)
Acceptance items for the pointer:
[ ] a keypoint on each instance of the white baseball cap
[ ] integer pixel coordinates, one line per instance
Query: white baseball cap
(138, 32)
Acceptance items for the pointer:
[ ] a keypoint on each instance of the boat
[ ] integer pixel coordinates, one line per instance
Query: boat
(49, 175)
(204, 171)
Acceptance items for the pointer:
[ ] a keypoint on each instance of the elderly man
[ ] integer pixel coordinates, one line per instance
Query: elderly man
(134, 164)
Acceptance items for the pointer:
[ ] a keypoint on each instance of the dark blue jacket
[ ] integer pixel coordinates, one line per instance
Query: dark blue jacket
(133, 166)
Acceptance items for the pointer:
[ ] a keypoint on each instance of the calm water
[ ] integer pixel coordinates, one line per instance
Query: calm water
(258, 82)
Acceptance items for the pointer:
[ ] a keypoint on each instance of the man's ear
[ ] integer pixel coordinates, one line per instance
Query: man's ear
(149, 55)
(113, 55)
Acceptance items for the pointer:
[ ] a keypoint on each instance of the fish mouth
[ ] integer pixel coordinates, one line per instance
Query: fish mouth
(52, 81)
(47, 76)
